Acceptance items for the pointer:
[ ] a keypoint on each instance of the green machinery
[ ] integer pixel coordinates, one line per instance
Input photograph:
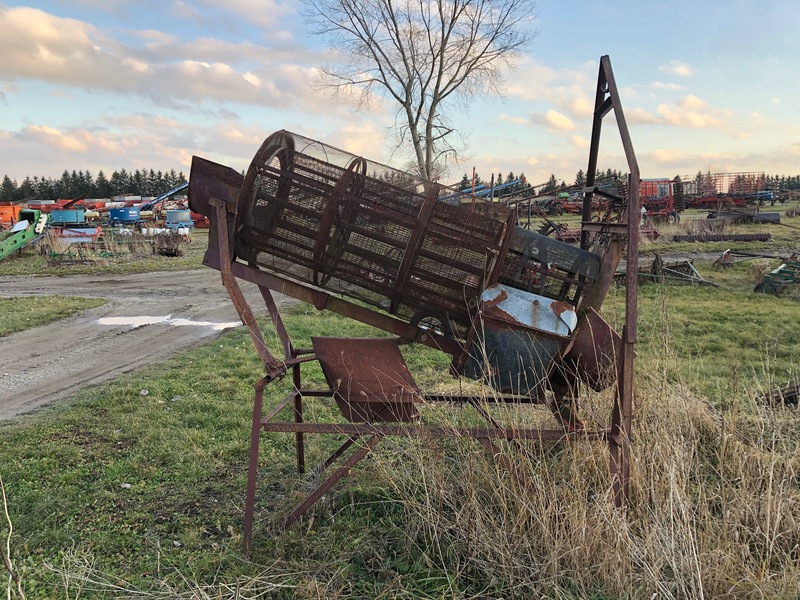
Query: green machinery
(30, 227)
(776, 280)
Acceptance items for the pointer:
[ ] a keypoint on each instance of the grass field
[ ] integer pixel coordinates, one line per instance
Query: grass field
(136, 488)
(18, 314)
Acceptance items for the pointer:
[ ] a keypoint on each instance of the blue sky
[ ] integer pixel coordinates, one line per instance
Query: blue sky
(105, 84)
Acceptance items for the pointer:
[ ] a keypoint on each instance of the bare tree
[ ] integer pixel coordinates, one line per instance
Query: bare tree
(424, 56)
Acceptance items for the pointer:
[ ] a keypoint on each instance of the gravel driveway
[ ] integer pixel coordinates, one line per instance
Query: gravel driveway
(148, 318)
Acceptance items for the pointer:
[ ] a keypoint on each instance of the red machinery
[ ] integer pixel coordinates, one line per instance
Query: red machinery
(60, 204)
(725, 190)
(512, 307)
(663, 199)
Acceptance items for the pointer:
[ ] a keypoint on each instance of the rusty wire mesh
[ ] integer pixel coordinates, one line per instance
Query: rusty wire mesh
(351, 226)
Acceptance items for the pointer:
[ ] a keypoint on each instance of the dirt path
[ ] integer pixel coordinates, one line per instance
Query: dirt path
(148, 317)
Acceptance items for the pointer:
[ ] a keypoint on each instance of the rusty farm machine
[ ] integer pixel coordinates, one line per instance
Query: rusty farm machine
(511, 307)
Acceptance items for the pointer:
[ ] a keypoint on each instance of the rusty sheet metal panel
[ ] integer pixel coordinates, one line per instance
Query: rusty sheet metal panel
(521, 309)
(369, 378)
(522, 335)
(596, 352)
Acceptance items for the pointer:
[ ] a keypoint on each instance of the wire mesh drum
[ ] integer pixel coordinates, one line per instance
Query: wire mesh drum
(362, 229)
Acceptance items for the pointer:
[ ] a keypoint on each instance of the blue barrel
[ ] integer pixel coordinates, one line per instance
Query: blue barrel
(128, 214)
(67, 216)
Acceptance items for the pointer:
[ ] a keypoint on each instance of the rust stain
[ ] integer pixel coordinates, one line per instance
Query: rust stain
(501, 297)
(559, 308)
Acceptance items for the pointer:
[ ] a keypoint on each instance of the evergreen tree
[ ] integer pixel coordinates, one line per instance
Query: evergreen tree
(119, 182)
(26, 190)
(173, 181)
(89, 186)
(137, 183)
(75, 184)
(8, 189)
(62, 186)
(551, 185)
(45, 189)
(102, 185)
(580, 178)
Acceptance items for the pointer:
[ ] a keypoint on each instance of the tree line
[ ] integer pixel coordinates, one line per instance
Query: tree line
(770, 182)
(553, 183)
(141, 182)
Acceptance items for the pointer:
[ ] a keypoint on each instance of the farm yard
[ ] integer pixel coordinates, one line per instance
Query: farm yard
(135, 486)
(303, 357)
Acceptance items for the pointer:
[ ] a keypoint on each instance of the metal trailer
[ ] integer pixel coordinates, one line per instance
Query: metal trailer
(512, 307)
(122, 216)
(179, 219)
(66, 217)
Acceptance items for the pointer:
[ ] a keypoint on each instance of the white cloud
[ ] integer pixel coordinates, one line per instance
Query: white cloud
(566, 89)
(558, 121)
(50, 136)
(691, 112)
(582, 107)
(36, 45)
(639, 115)
(664, 156)
(678, 68)
(579, 141)
(513, 119)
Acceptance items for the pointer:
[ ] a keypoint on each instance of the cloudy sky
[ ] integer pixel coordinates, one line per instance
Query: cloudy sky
(105, 84)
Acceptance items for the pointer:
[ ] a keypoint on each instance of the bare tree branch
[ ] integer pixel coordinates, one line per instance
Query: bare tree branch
(421, 55)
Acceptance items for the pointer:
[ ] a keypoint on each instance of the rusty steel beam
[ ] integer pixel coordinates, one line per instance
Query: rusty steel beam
(509, 433)
(343, 470)
(622, 414)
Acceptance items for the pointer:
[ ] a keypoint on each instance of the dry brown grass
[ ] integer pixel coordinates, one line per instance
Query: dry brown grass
(714, 508)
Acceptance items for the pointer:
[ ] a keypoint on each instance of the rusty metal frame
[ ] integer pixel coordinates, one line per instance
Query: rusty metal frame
(374, 433)
(624, 233)
(215, 193)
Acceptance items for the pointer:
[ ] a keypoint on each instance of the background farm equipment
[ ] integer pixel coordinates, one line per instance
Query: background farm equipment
(744, 215)
(786, 274)
(171, 243)
(515, 309)
(681, 270)
(179, 220)
(29, 228)
(9, 214)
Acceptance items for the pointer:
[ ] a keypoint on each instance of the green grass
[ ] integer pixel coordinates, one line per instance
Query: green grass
(18, 314)
(716, 340)
(141, 481)
(149, 485)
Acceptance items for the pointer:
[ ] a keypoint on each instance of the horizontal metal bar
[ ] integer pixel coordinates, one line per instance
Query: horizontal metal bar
(614, 228)
(437, 432)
